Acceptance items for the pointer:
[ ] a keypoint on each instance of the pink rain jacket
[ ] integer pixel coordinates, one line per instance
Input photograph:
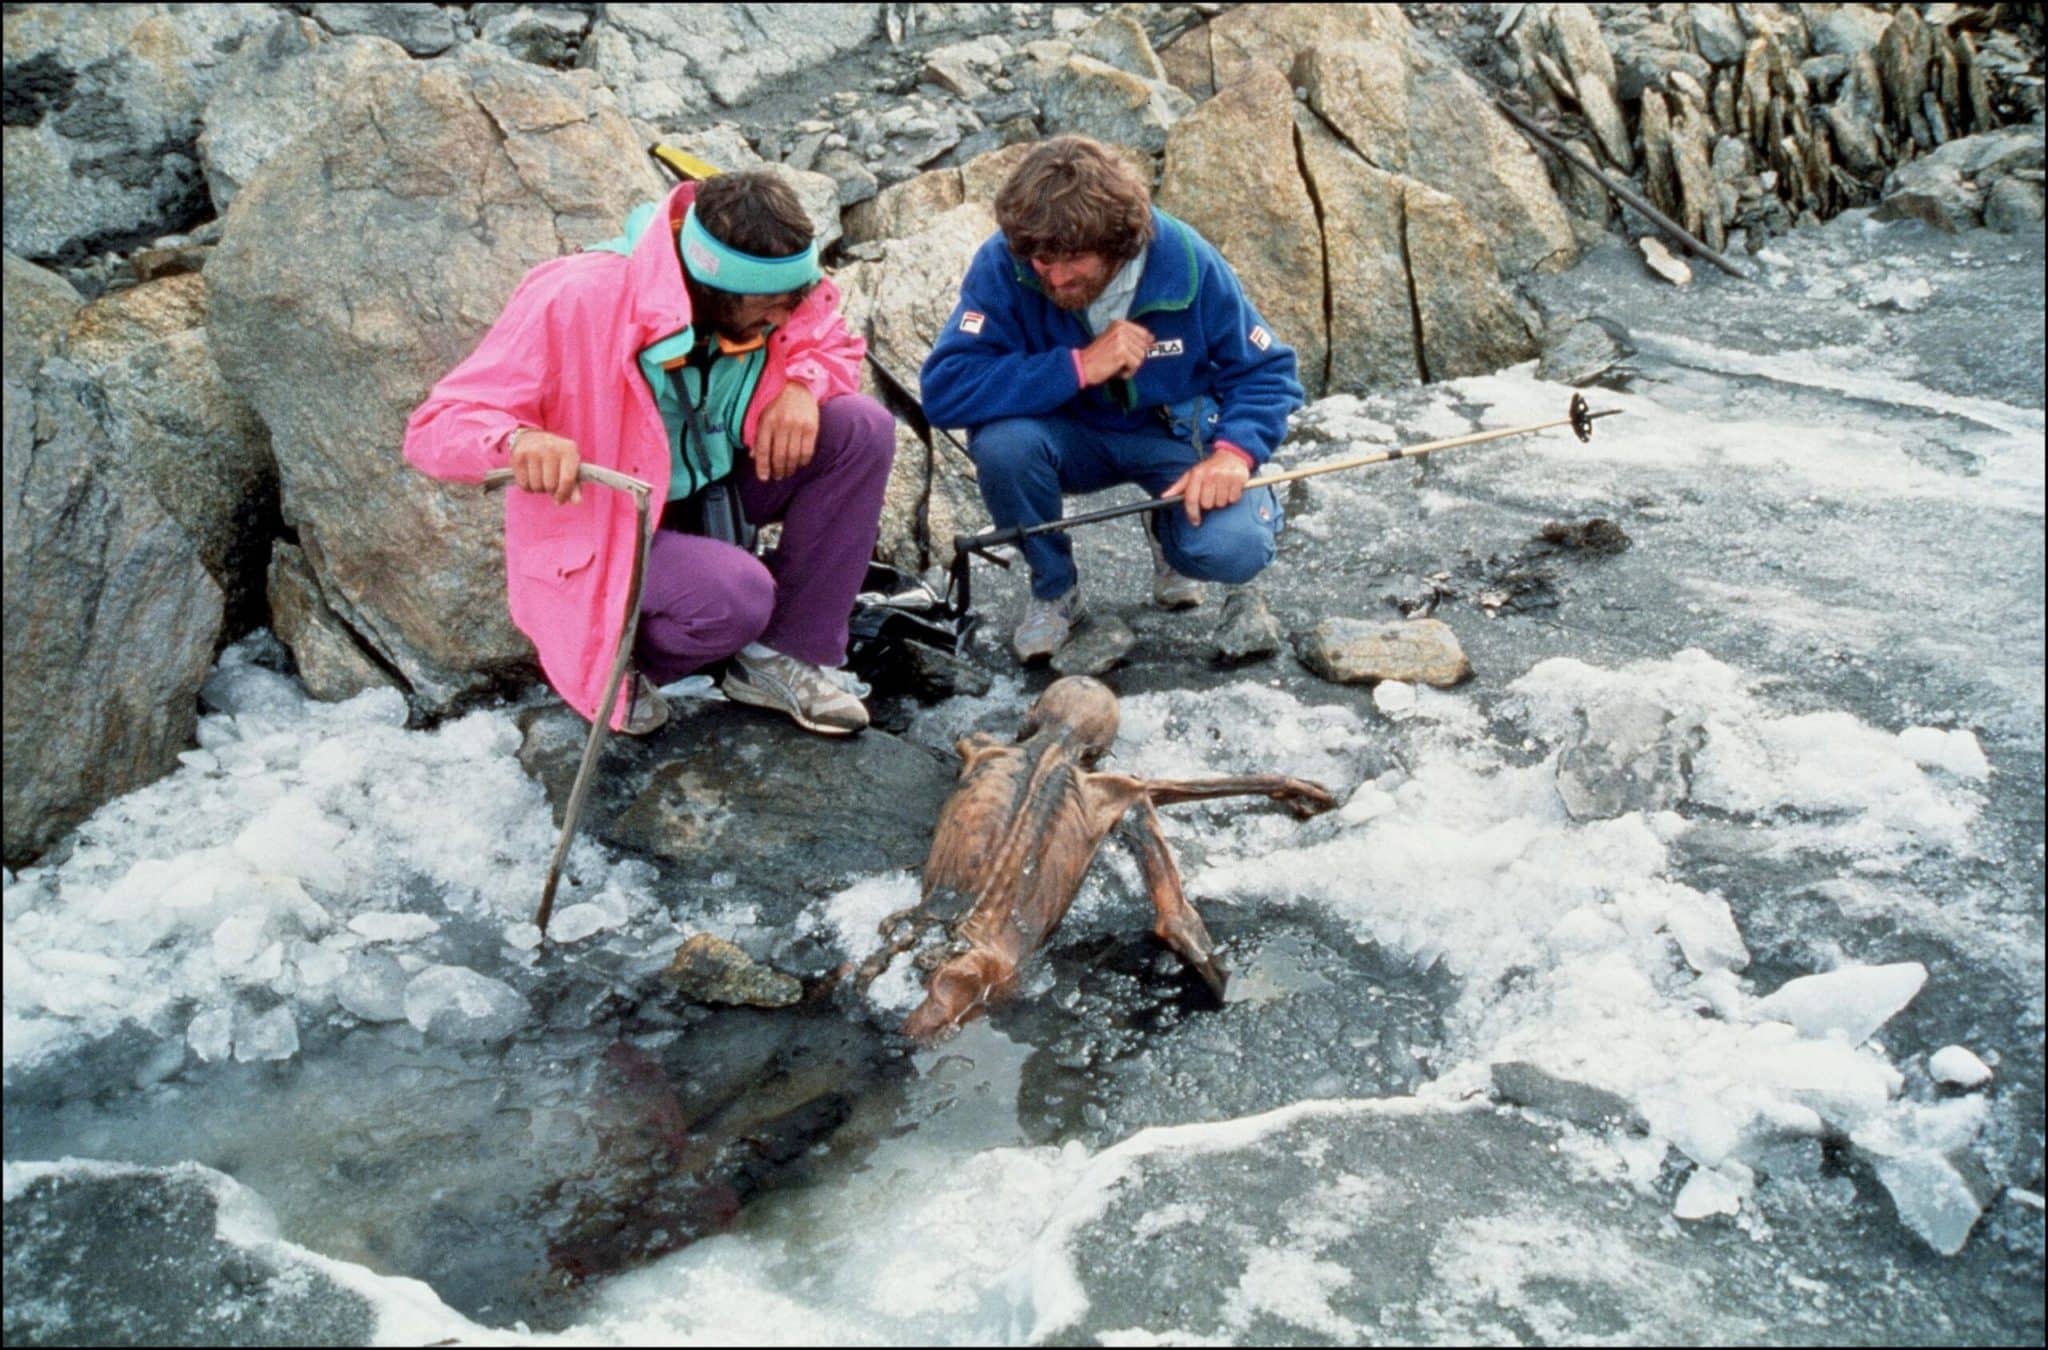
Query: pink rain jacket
(563, 357)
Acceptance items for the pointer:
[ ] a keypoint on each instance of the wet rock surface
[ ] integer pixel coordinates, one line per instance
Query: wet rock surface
(160, 1247)
(741, 806)
(711, 970)
(1124, 1036)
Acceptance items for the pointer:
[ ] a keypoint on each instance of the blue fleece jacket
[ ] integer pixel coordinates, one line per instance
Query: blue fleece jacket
(1008, 351)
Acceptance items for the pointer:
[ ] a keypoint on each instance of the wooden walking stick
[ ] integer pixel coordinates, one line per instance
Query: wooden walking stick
(642, 494)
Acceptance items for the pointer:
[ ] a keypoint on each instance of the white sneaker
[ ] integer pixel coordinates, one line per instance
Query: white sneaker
(768, 679)
(1045, 626)
(1170, 590)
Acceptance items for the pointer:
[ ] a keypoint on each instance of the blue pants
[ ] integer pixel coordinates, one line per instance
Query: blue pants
(1026, 463)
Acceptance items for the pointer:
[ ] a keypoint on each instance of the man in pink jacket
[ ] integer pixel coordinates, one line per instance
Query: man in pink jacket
(703, 353)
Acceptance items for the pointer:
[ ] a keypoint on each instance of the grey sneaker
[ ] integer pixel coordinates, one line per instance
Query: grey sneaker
(1045, 626)
(1170, 590)
(647, 713)
(768, 679)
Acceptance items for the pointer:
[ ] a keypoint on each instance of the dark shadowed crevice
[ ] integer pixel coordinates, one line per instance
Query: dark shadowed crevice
(1342, 139)
(1414, 301)
(1315, 199)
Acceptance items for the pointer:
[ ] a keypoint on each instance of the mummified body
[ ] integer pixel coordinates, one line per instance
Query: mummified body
(1016, 839)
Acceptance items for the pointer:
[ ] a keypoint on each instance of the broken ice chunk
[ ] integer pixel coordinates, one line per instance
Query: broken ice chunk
(1715, 1190)
(373, 988)
(455, 1003)
(580, 921)
(1955, 751)
(1706, 932)
(272, 1035)
(1956, 1066)
(1935, 1198)
(295, 837)
(387, 926)
(212, 1034)
(1394, 697)
(1852, 1002)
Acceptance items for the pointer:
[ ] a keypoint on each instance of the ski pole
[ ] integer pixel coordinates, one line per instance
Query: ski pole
(1578, 417)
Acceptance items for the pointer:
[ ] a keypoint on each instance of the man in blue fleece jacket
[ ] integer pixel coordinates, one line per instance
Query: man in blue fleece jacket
(1100, 341)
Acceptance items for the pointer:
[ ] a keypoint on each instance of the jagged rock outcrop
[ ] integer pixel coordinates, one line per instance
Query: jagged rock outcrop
(334, 311)
(1753, 116)
(668, 61)
(199, 449)
(102, 109)
(112, 617)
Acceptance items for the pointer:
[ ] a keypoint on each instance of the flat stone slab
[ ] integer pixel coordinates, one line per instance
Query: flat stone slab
(1353, 651)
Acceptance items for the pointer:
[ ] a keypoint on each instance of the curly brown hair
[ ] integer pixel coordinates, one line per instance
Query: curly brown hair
(1070, 195)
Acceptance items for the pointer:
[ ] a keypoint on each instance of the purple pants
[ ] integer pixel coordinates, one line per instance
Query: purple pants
(704, 600)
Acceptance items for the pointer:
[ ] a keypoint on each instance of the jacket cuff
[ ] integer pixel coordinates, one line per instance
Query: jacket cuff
(1249, 461)
(1080, 375)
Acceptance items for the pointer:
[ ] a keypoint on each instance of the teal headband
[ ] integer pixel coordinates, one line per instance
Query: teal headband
(722, 267)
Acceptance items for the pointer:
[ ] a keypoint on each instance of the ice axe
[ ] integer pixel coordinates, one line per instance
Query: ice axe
(642, 494)
(1578, 417)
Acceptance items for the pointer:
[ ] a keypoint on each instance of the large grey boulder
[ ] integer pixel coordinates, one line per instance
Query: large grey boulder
(353, 275)
(668, 61)
(1468, 321)
(900, 302)
(199, 448)
(111, 616)
(103, 105)
(1232, 173)
(260, 101)
(1947, 188)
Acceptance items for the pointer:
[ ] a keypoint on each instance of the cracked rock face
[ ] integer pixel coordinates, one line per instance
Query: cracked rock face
(354, 274)
(1232, 172)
